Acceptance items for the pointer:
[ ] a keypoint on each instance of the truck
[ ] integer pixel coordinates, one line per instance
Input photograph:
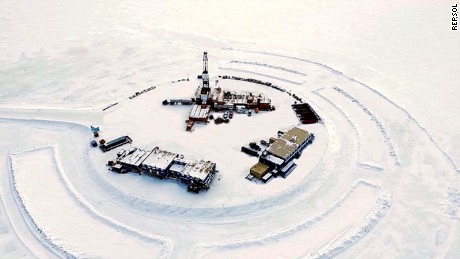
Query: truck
(249, 151)
(115, 143)
(240, 109)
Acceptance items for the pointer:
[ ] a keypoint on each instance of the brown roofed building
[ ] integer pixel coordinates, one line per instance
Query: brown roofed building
(288, 143)
(259, 170)
(281, 153)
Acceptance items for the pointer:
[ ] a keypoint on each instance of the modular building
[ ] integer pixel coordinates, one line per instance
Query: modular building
(200, 113)
(231, 100)
(159, 162)
(290, 144)
(198, 174)
(259, 170)
(278, 158)
(133, 158)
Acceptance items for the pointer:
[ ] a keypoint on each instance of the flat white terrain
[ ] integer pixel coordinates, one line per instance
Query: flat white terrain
(66, 224)
(381, 179)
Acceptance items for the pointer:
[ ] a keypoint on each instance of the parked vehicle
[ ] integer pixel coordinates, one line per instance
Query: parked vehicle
(249, 113)
(230, 115)
(190, 126)
(218, 120)
(94, 143)
(122, 152)
(254, 145)
(263, 142)
(249, 151)
(240, 109)
(106, 146)
(225, 116)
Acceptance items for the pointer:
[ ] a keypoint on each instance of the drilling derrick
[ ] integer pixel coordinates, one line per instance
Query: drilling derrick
(205, 89)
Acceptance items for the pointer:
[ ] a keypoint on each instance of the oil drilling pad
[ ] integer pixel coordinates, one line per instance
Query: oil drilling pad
(208, 99)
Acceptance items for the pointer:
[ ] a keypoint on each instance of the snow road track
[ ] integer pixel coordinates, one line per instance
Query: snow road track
(371, 143)
(341, 243)
(12, 222)
(292, 71)
(358, 202)
(266, 75)
(65, 221)
(270, 71)
(387, 139)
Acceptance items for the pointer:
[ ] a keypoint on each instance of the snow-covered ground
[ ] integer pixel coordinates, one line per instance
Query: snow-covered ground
(65, 221)
(381, 179)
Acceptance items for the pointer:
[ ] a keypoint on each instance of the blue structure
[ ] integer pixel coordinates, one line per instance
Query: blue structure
(94, 129)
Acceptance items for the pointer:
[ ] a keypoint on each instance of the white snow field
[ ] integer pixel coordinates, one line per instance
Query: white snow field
(63, 219)
(381, 179)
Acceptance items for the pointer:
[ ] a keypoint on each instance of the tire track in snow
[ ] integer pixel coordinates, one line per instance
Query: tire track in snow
(261, 74)
(7, 224)
(28, 225)
(283, 233)
(269, 66)
(87, 207)
(378, 123)
(36, 230)
(166, 243)
(345, 241)
(357, 131)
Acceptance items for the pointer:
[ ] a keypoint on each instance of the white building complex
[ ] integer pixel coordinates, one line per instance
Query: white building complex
(197, 174)
(278, 158)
